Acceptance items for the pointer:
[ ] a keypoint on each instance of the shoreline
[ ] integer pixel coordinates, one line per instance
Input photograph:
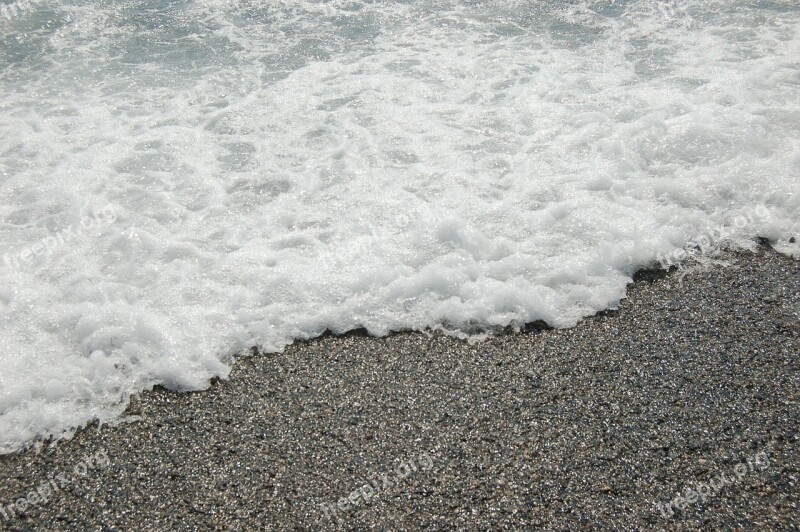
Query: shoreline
(616, 422)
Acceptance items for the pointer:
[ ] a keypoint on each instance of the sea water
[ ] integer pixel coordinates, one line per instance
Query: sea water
(181, 181)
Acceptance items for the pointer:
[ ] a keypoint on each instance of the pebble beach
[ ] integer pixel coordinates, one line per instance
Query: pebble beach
(678, 410)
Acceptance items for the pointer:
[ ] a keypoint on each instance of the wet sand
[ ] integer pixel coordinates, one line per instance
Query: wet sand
(687, 397)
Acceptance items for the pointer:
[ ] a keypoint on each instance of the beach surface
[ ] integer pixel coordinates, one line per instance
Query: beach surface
(679, 410)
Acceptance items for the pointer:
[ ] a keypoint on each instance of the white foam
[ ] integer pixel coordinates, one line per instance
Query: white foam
(271, 172)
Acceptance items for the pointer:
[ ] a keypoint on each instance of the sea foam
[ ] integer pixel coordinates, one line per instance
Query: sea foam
(260, 172)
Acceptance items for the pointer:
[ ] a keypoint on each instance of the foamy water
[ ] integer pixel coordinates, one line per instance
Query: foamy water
(181, 181)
